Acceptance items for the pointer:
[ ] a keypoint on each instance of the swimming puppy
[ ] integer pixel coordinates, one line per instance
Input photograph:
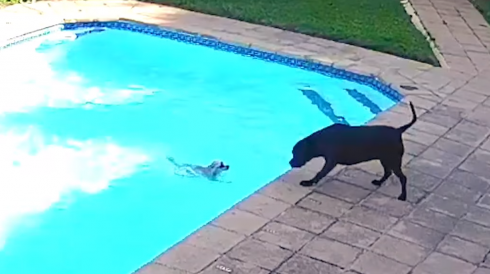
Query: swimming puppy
(349, 145)
(211, 172)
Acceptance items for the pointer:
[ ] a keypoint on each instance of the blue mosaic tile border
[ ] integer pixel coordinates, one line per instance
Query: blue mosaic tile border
(196, 39)
(29, 36)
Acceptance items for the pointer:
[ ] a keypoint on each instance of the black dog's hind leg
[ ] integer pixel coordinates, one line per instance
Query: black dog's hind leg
(395, 165)
(403, 181)
(387, 173)
(327, 167)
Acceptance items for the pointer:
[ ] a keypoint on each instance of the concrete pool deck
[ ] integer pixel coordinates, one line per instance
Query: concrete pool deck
(345, 225)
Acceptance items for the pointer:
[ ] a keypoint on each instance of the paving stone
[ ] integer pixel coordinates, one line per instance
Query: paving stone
(215, 238)
(391, 118)
(432, 79)
(331, 251)
(430, 127)
(300, 264)
(478, 215)
(468, 133)
(446, 205)
(482, 270)
(461, 64)
(305, 219)
(154, 268)
(478, 85)
(420, 137)
(387, 205)
(188, 257)
(358, 177)
(263, 206)
(472, 232)
(480, 116)
(421, 180)
(371, 263)
(352, 234)
(462, 249)
(371, 167)
(481, 155)
(486, 262)
(399, 250)
(392, 188)
(240, 221)
(413, 148)
(435, 162)
(484, 201)
(294, 176)
(486, 145)
(476, 167)
(283, 236)
(454, 85)
(437, 263)
(370, 218)
(343, 191)
(228, 265)
(325, 204)
(423, 100)
(436, 118)
(431, 219)
(259, 253)
(460, 102)
(468, 94)
(449, 111)
(453, 147)
(417, 234)
(434, 167)
(469, 180)
(289, 193)
(457, 191)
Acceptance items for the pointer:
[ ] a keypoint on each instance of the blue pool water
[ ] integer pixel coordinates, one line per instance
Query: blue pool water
(86, 125)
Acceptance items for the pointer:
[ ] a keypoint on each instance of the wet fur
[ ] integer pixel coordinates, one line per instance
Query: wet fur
(211, 172)
(349, 145)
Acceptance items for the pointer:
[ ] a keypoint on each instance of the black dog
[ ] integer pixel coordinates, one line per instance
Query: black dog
(349, 145)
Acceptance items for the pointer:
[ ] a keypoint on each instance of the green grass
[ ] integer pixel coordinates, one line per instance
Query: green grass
(9, 2)
(381, 25)
(484, 7)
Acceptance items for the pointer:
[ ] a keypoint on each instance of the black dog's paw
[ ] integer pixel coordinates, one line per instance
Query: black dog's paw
(376, 182)
(402, 197)
(306, 183)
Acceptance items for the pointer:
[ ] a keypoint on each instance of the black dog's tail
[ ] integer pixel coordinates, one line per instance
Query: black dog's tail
(414, 119)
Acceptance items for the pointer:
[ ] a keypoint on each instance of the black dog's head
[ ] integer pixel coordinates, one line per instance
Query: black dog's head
(301, 155)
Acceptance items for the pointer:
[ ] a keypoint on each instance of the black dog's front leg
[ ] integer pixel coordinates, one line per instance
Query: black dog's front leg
(327, 167)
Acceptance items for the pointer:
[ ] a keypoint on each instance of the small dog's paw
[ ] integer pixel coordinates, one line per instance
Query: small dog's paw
(306, 183)
(402, 197)
(376, 182)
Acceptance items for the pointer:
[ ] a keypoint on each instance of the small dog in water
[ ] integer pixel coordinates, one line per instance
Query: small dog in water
(211, 172)
(349, 145)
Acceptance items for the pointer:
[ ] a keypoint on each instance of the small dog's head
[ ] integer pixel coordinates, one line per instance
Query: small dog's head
(217, 167)
(301, 155)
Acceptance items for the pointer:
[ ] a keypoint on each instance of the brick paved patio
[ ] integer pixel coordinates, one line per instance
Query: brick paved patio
(345, 225)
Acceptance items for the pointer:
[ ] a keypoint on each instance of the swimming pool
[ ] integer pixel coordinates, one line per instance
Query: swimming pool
(90, 111)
